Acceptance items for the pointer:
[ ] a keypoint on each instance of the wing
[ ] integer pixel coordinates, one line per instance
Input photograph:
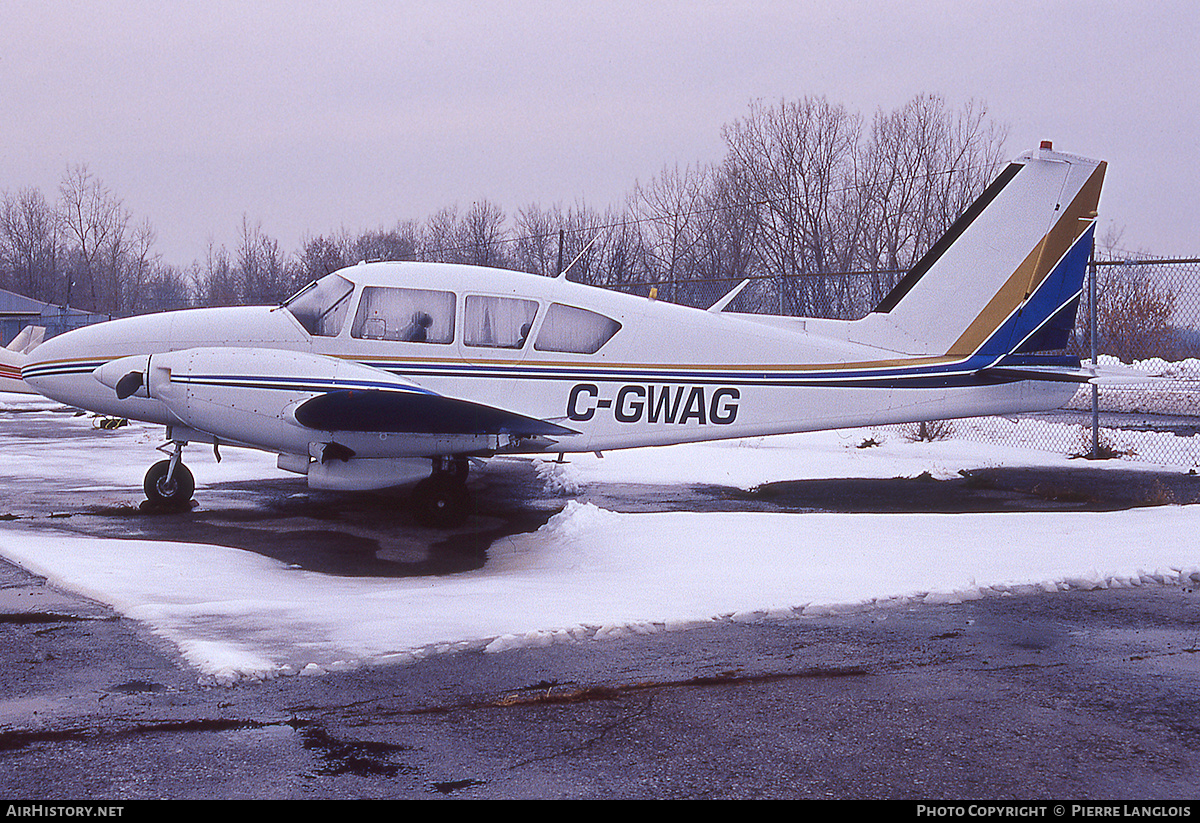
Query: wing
(376, 410)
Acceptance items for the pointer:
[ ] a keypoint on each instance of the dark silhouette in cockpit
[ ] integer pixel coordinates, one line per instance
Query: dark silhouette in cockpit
(418, 330)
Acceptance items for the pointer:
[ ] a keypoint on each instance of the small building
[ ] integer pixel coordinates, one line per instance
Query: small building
(18, 311)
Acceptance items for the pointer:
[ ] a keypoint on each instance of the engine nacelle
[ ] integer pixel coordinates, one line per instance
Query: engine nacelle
(245, 396)
(358, 474)
(229, 392)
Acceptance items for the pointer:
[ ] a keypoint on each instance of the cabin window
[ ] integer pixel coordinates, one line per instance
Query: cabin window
(321, 308)
(498, 322)
(570, 329)
(411, 315)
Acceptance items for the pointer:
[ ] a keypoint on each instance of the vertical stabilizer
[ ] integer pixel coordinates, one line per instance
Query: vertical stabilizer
(1008, 274)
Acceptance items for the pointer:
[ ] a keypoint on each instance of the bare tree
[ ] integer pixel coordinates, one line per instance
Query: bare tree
(321, 256)
(133, 265)
(439, 239)
(30, 245)
(600, 248)
(1135, 314)
(922, 166)
(726, 233)
(535, 243)
(477, 238)
(481, 235)
(262, 274)
(625, 257)
(398, 243)
(803, 191)
(165, 288)
(793, 160)
(95, 222)
(104, 259)
(216, 280)
(669, 210)
(830, 198)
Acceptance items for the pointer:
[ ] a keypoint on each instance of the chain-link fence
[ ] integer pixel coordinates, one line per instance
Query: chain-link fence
(839, 295)
(1146, 315)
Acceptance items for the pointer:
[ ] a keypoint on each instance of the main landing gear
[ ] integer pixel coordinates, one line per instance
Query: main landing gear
(169, 484)
(442, 499)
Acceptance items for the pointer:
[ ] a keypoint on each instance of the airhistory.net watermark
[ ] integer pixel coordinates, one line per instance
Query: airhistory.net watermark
(61, 810)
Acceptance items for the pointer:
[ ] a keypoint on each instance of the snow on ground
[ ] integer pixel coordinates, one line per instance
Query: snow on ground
(590, 574)
(880, 452)
(85, 458)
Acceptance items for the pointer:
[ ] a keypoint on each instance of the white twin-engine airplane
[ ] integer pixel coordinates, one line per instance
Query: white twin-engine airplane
(383, 374)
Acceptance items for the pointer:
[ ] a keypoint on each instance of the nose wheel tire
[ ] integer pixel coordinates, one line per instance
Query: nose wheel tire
(171, 494)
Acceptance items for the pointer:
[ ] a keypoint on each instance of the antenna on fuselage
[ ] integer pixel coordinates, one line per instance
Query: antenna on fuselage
(563, 273)
(720, 305)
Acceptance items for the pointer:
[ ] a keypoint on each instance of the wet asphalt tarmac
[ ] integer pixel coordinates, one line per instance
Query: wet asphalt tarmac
(1085, 695)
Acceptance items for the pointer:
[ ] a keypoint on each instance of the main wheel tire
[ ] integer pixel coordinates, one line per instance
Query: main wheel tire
(441, 500)
(460, 467)
(174, 494)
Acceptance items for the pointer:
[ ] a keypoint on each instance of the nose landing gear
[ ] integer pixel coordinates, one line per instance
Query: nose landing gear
(169, 484)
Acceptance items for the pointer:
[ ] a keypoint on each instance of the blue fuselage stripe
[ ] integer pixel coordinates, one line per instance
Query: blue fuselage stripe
(963, 372)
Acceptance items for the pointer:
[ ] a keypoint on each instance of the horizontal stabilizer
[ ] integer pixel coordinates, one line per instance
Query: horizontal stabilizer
(417, 413)
(1045, 373)
(1098, 375)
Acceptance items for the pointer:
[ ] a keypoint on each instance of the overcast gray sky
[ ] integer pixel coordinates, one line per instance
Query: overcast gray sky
(313, 116)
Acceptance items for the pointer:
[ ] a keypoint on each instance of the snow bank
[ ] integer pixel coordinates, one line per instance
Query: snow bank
(591, 574)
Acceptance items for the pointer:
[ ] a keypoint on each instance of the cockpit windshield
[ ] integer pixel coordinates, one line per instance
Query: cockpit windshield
(322, 306)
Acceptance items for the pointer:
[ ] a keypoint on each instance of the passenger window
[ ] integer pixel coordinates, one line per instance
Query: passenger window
(322, 307)
(569, 329)
(412, 315)
(498, 322)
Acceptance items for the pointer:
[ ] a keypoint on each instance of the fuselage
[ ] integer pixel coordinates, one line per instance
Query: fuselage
(617, 370)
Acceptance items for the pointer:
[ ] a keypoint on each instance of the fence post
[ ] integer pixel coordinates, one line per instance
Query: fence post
(1092, 335)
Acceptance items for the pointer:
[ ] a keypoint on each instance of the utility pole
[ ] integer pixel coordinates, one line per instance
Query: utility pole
(1092, 335)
